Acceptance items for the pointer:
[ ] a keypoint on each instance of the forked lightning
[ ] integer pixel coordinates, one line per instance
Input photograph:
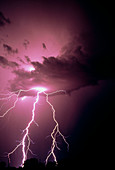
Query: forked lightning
(56, 131)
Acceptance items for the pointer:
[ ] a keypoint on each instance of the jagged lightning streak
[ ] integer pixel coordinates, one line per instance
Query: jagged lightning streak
(27, 129)
(26, 136)
(6, 98)
(53, 134)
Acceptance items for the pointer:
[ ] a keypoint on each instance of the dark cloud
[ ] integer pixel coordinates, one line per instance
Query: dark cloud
(26, 43)
(9, 49)
(44, 46)
(20, 60)
(81, 46)
(54, 73)
(4, 20)
(5, 63)
(78, 65)
(27, 59)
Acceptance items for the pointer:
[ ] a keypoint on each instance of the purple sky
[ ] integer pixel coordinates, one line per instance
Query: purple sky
(69, 47)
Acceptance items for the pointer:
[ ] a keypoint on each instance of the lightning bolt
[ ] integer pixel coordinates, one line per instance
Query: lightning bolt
(27, 130)
(54, 133)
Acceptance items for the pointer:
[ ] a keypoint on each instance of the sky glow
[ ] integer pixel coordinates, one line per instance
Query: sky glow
(56, 71)
(31, 68)
(23, 98)
(40, 89)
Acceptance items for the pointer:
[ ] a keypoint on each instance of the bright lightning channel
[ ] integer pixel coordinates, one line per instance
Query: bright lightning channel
(23, 98)
(53, 134)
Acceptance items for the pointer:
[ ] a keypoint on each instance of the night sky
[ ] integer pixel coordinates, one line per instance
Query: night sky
(59, 45)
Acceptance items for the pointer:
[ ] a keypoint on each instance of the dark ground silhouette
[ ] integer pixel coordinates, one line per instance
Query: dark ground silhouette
(33, 163)
(79, 163)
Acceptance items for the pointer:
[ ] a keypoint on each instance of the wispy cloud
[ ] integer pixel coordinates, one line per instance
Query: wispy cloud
(9, 49)
(6, 63)
(4, 20)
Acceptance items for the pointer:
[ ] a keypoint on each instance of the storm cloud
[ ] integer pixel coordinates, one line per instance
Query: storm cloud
(9, 49)
(26, 43)
(55, 73)
(6, 63)
(76, 67)
(27, 59)
(4, 20)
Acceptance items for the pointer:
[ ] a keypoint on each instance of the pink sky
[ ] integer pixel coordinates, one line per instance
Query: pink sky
(64, 34)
